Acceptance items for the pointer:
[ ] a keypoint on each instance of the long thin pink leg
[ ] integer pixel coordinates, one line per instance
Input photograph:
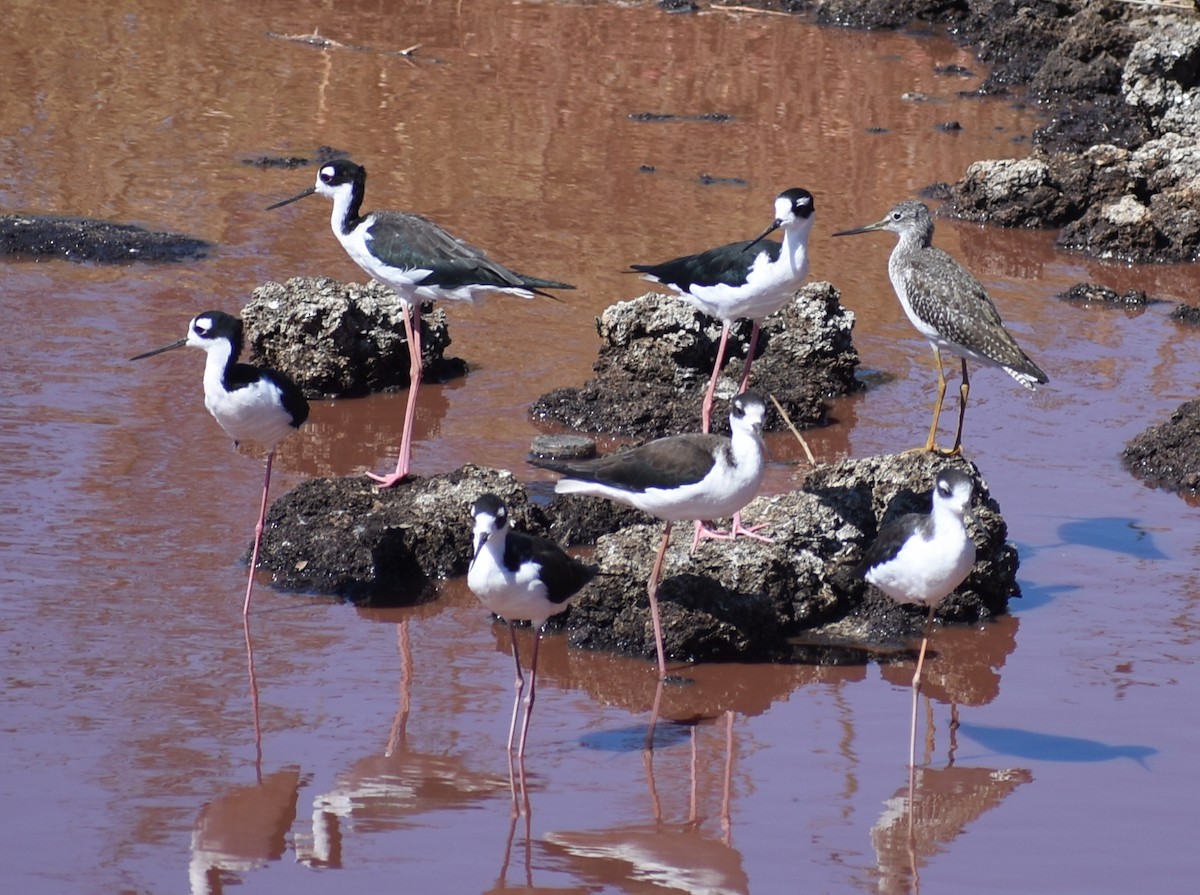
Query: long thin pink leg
(416, 371)
(518, 684)
(652, 589)
(916, 689)
(258, 533)
(706, 407)
(745, 380)
(531, 695)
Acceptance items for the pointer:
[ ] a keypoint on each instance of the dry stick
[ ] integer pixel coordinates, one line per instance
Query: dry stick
(804, 444)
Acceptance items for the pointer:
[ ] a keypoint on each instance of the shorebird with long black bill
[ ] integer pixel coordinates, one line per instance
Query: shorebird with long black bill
(416, 258)
(254, 404)
(520, 576)
(949, 307)
(923, 557)
(753, 279)
(677, 479)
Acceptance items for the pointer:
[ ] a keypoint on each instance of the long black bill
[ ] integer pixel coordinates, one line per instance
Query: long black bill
(296, 198)
(775, 226)
(483, 539)
(173, 345)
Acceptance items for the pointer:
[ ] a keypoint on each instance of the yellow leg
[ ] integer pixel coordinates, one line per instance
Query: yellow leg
(937, 408)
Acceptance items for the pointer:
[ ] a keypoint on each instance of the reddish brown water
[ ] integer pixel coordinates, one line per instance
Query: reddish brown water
(129, 748)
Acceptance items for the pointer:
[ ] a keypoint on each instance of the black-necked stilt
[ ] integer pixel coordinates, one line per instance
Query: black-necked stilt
(753, 278)
(520, 576)
(679, 478)
(416, 258)
(921, 558)
(949, 307)
(251, 403)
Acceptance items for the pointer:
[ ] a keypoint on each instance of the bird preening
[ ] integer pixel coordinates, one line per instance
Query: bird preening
(253, 404)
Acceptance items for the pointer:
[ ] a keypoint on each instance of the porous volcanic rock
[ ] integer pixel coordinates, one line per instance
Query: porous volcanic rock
(657, 353)
(1168, 455)
(797, 599)
(341, 339)
(84, 239)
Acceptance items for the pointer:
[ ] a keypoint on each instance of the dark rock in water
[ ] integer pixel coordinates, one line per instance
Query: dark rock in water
(563, 447)
(341, 339)
(1091, 293)
(103, 242)
(1168, 455)
(1189, 314)
(348, 537)
(657, 354)
(797, 599)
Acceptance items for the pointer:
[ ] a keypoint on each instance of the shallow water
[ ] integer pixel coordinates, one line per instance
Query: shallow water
(131, 762)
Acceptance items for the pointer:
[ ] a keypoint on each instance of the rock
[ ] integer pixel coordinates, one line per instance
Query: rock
(1168, 455)
(1094, 294)
(347, 537)
(797, 599)
(341, 339)
(657, 354)
(1189, 314)
(82, 239)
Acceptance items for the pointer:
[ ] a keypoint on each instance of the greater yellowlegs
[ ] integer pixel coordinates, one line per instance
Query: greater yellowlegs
(949, 307)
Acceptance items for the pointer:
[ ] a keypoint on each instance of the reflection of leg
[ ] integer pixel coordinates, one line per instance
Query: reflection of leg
(518, 684)
(654, 710)
(648, 758)
(400, 722)
(937, 408)
(253, 699)
(727, 784)
(745, 380)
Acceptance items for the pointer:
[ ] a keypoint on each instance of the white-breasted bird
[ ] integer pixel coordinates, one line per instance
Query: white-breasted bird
(254, 404)
(519, 576)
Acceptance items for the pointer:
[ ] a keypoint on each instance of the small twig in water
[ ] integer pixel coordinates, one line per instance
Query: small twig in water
(787, 419)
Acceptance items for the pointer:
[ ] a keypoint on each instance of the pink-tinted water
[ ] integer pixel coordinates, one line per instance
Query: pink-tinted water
(130, 762)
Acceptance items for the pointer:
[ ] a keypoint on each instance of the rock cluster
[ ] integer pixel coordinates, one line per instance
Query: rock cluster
(101, 242)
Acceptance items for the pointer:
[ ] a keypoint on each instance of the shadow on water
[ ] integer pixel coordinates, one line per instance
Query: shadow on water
(1036, 746)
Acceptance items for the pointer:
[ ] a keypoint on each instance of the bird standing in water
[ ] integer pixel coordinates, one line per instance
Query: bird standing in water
(250, 403)
(519, 576)
(949, 307)
(923, 557)
(417, 259)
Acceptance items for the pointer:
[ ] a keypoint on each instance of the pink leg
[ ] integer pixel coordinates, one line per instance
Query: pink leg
(916, 689)
(652, 588)
(416, 370)
(258, 533)
(531, 695)
(518, 685)
(745, 380)
(703, 532)
(706, 407)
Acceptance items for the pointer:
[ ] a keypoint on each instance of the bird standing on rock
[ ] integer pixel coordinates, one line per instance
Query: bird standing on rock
(679, 478)
(753, 278)
(923, 557)
(520, 576)
(417, 259)
(253, 404)
(949, 307)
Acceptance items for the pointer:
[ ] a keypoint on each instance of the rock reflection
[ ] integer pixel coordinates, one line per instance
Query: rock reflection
(926, 815)
(242, 830)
